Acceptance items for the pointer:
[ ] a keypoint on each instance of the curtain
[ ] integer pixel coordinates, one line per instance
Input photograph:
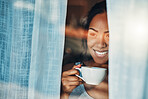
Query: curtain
(31, 48)
(128, 52)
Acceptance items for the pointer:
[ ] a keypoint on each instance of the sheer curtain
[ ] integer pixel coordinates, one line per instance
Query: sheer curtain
(128, 58)
(31, 48)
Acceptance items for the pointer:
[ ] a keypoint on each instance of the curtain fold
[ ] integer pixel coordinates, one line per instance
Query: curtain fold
(47, 50)
(31, 48)
(128, 52)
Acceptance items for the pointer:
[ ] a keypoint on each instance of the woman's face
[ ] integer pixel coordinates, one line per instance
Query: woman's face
(98, 38)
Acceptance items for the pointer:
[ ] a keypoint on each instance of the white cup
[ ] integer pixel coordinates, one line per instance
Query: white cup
(92, 75)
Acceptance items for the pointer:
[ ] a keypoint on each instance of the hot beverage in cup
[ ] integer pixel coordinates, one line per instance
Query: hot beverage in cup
(92, 75)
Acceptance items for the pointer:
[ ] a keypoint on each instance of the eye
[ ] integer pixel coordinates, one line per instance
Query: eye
(92, 34)
(107, 35)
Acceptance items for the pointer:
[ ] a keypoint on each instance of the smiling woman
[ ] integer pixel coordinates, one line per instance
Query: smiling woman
(98, 38)
(97, 44)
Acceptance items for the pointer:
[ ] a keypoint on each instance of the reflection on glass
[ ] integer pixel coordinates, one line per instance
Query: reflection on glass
(87, 43)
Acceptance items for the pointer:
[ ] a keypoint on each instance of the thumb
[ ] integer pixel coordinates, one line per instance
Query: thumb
(76, 66)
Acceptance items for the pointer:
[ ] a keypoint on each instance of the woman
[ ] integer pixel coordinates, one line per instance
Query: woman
(97, 43)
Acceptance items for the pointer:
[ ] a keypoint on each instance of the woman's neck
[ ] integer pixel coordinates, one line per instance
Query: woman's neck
(97, 91)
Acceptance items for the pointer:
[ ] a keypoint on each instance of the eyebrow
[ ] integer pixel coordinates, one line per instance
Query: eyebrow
(97, 30)
(106, 32)
(93, 29)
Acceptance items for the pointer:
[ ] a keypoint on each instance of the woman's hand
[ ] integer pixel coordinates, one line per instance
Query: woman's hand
(70, 81)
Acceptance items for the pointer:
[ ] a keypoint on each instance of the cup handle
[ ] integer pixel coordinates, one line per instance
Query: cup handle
(80, 76)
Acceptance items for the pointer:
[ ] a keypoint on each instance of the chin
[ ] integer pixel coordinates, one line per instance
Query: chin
(99, 61)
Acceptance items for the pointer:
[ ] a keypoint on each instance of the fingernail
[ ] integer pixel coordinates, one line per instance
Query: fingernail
(78, 64)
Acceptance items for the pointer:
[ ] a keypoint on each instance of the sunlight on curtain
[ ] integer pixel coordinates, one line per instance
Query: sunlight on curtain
(128, 58)
(31, 48)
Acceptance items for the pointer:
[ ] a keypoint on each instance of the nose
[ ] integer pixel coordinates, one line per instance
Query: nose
(101, 40)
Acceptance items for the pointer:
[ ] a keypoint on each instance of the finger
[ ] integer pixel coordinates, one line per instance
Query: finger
(71, 78)
(69, 89)
(80, 79)
(76, 66)
(73, 87)
(75, 83)
(70, 72)
(71, 83)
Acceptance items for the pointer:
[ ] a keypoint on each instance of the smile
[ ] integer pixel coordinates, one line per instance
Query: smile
(100, 54)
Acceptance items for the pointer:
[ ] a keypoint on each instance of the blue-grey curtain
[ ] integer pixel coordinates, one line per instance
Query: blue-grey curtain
(128, 52)
(31, 48)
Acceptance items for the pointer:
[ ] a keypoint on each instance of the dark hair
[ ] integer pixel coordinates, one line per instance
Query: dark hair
(98, 8)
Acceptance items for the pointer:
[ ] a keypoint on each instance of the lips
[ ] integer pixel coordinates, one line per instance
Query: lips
(101, 53)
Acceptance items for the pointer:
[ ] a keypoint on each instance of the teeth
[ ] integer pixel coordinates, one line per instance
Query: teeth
(101, 53)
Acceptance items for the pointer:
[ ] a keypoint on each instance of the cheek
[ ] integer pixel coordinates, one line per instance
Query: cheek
(107, 42)
(107, 39)
(90, 42)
